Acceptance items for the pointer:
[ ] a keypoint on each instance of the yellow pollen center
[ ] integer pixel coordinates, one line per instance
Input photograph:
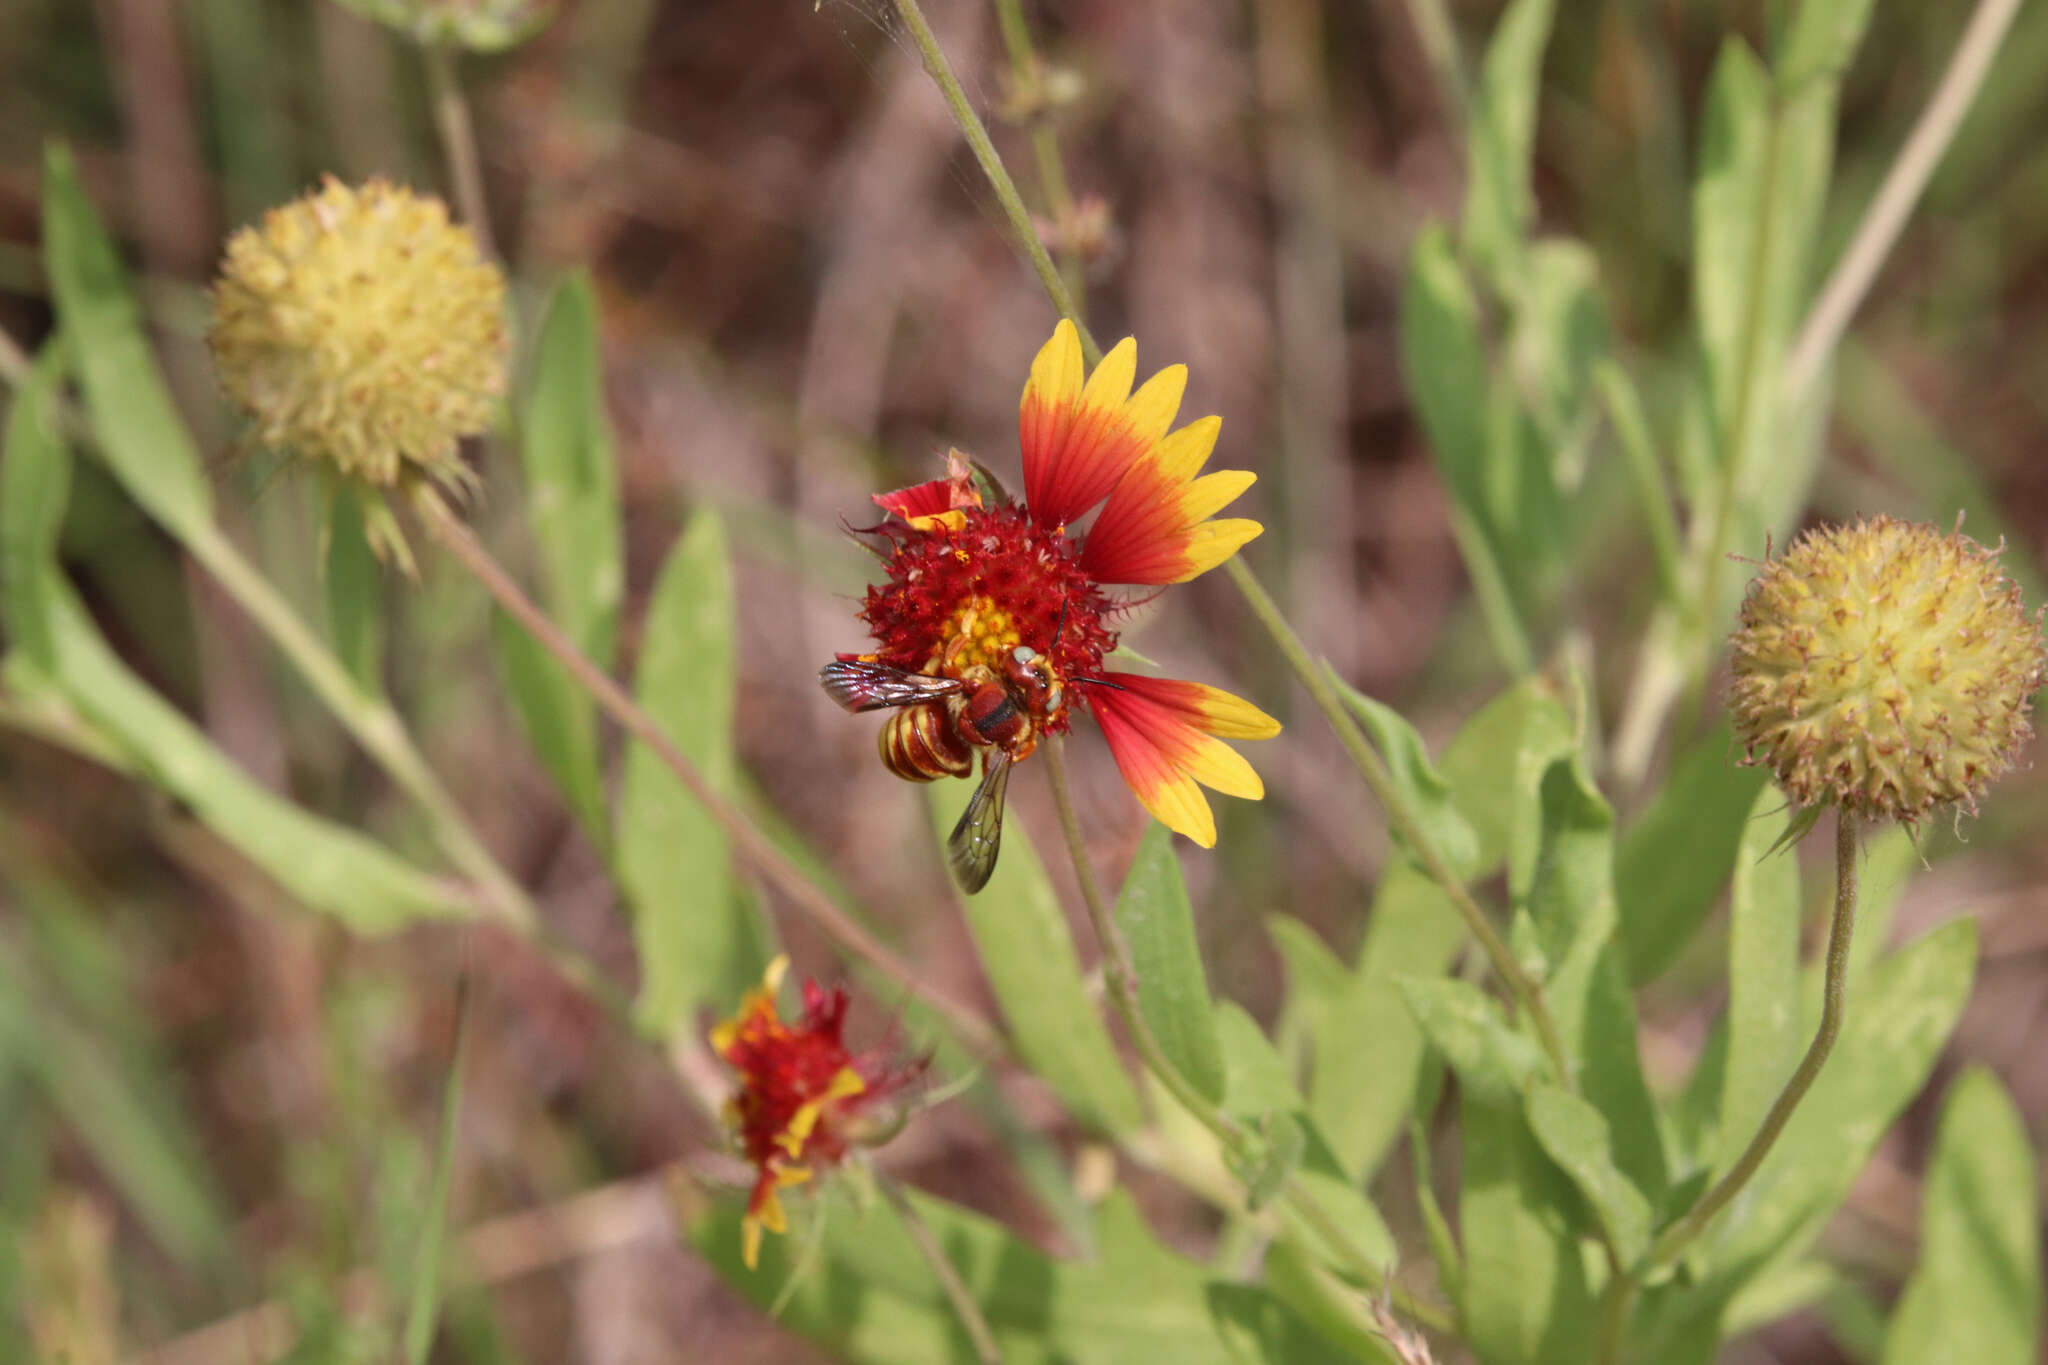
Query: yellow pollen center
(978, 635)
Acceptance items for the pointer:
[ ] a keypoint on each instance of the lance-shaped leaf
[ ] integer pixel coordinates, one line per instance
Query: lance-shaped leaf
(573, 505)
(1576, 1136)
(1158, 925)
(1976, 1295)
(1021, 934)
(1499, 205)
(140, 434)
(699, 941)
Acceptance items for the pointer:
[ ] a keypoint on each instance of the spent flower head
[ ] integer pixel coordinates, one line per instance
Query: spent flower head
(363, 329)
(804, 1101)
(1884, 668)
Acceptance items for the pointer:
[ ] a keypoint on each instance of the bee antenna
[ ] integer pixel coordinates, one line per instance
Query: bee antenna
(1060, 626)
(1101, 682)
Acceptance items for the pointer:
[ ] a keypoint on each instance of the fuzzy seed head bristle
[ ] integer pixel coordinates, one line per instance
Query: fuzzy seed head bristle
(1884, 668)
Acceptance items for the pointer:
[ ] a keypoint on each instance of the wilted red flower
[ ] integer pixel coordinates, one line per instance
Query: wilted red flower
(803, 1098)
(976, 590)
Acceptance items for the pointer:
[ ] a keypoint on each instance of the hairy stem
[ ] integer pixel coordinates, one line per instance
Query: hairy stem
(752, 846)
(1682, 1233)
(941, 71)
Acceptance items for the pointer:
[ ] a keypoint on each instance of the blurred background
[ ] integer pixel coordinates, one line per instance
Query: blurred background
(807, 295)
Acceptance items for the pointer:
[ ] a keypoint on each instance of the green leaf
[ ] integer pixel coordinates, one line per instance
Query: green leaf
(573, 504)
(1443, 362)
(1898, 1020)
(1020, 932)
(1499, 206)
(554, 715)
(1263, 1096)
(572, 480)
(1323, 1301)
(1256, 1328)
(698, 942)
(1360, 1095)
(423, 1308)
(1158, 925)
(140, 434)
(1765, 1041)
(1573, 907)
(1765, 156)
(873, 1298)
(1576, 1136)
(1424, 788)
(1694, 823)
(1495, 1062)
(1284, 1141)
(1976, 1295)
(1820, 41)
(328, 867)
(1526, 1297)
(355, 593)
(1557, 330)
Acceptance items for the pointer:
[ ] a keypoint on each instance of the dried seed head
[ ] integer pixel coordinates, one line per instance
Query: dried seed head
(363, 328)
(1884, 668)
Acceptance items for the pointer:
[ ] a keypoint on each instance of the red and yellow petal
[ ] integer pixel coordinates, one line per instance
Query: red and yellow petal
(1080, 432)
(1164, 736)
(1156, 527)
(941, 502)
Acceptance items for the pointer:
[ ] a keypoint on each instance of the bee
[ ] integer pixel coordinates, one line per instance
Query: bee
(941, 722)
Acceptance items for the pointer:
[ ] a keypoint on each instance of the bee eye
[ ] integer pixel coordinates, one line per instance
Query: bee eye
(1024, 654)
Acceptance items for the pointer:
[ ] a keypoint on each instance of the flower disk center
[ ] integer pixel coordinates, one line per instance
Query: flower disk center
(977, 635)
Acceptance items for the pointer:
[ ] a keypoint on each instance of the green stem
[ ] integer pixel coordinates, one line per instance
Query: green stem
(458, 141)
(956, 1290)
(1403, 820)
(1681, 1234)
(971, 128)
(753, 847)
(1122, 979)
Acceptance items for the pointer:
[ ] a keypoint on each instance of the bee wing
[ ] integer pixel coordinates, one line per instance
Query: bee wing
(865, 685)
(972, 847)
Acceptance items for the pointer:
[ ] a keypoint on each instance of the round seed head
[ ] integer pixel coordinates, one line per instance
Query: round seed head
(361, 327)
(1884, 668)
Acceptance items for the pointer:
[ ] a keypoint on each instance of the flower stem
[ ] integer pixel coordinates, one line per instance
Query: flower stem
(753, 847)
(458, 141)
(1122, 979)
(1682, 1233)
(941, 71)
(956, 1290)
(1403, 820)
(1027, 78)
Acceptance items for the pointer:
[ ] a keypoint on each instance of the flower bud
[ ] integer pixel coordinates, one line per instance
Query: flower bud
(362, 328)
(1884, 668)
